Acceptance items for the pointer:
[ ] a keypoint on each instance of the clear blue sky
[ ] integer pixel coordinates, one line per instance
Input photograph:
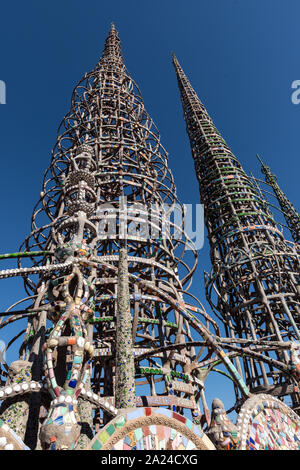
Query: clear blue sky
(240, 55)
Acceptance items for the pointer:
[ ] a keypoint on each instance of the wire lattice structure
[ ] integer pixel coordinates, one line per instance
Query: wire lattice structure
(253, 287)
(111, 324)
(291, 216)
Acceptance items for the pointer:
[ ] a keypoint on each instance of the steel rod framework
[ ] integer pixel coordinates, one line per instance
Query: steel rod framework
(108, 326)
(291, 216)
(254, 283)
(112, 330)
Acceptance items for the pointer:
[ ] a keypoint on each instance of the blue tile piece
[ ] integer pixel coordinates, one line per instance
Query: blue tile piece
(135, 414)
(59, 421)
(198, 431)
(127, 440)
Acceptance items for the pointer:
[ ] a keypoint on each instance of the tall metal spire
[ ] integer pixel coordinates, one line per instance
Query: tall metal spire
(112, 51)
(291, 215)
(255, 273)
(110, 327)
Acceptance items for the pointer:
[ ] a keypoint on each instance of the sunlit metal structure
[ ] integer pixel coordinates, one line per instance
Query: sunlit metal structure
(254, 283)
(116, 350)
(111, 325)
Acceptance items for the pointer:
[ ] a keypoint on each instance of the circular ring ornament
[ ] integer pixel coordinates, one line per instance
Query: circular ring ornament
(150, 429)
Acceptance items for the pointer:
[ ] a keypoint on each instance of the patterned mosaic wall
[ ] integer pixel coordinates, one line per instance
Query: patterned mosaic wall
(154, 437)
(150, 429)
(265, 423)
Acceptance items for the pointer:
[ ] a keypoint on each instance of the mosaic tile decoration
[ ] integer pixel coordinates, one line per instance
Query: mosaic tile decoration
(154, 437)
(265, 423)
(150, 429)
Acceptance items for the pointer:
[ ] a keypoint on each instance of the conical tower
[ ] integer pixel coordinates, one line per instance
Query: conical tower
(255, 273)
(290, 214)
(110, 333)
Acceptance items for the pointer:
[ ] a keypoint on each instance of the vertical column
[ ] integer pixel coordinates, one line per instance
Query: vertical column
(36, 356)
(85, 410)
(125, 369)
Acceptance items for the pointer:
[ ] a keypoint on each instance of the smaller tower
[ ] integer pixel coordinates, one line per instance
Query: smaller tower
(254, 282)
(290, 214)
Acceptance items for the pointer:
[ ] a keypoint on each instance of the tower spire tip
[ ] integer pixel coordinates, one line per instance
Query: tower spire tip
(112, 27)
(174, 58)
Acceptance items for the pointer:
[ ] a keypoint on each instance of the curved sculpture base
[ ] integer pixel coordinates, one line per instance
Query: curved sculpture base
(150, 429)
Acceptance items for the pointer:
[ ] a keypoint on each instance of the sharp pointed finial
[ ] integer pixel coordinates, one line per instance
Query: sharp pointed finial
(264, 167)
(174, 58)
(112, 48)
(258, 157)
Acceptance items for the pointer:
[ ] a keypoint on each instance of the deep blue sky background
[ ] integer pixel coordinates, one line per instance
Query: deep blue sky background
(241, 57)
